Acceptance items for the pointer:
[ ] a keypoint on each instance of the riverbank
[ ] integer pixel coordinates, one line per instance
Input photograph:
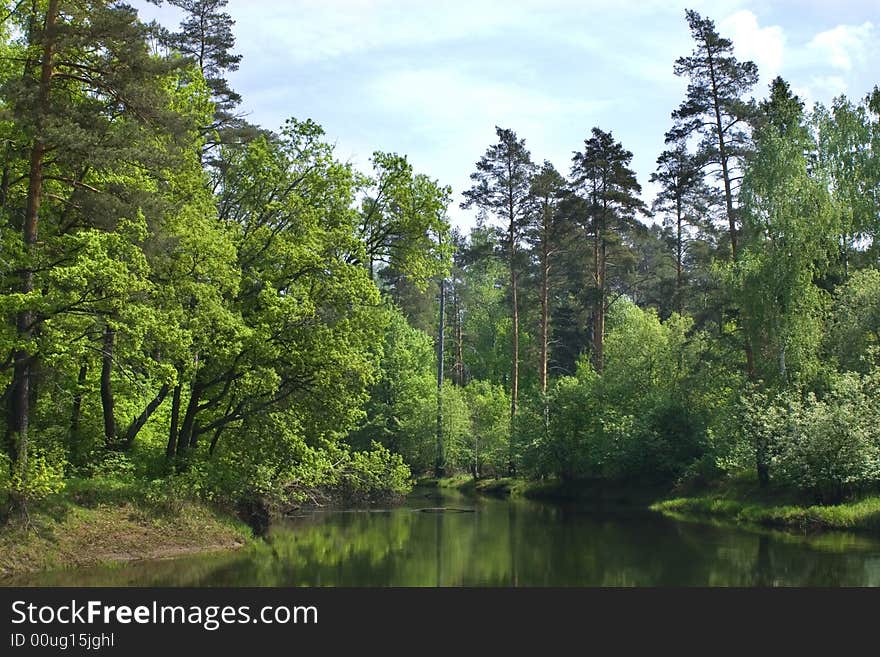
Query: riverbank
(589, 493)
(862, 515)
(68, 534)
(737, 501)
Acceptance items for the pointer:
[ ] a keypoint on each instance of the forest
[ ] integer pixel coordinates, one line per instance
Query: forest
(198, 308)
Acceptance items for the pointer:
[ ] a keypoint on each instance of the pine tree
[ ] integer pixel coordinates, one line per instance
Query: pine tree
(92, 118)
(714, 109)
(549, 232)
(609, 188)
(502, 188)
(683, 198)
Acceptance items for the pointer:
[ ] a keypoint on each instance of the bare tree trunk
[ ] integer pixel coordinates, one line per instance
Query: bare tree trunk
(679, 291)
(514, 374)
(138, 423)
(171, 448)
(514, 365)
(723, 157)
(188, 437)
(459, 348)
(599, 305)
(76, 411)
(545, 310)
(19, 410)
(107, 401)
(440, 463)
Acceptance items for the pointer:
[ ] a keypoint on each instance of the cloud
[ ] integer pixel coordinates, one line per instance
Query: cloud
(825, 87)
(763, 45)
(844, 45)
(452, 97)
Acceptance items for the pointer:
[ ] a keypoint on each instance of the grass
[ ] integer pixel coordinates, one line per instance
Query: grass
(743, 501)
(860, 515)
(102, 522)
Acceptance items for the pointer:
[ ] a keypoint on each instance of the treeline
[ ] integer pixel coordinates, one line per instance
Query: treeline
(187, 299)
(196, 306)
(736, 333)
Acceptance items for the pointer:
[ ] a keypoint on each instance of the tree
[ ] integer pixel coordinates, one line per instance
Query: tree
(854, 331)
(847, 154)
(205, 37)
(788, 230)
(714, 109)
(403, 221)
(548, 232)
(683, 198)
(304, 311)
(94, 126)
(609, 190)
(502, 188)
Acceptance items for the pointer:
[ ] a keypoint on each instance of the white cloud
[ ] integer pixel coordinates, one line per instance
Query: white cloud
(763, 45)
(823, 88)
(844, 44)
(451, 113)
(451, 93)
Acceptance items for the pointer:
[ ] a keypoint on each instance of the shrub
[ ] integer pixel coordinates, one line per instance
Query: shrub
(373, 476)
(43, 476)
(830, 447)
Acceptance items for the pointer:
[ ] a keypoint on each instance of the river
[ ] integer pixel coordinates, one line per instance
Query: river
(490, 542)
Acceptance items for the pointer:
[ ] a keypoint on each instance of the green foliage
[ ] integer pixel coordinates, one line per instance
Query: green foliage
(787, 226)
(191, 303)
(854, 335)
(42, 476)
(638, 419)
(377, 475)
(486, 440)
(828, 447)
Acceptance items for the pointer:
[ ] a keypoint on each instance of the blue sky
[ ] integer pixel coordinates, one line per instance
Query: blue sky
(432, 79)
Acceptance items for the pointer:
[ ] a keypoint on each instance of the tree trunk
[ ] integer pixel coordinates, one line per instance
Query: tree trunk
(188, 436)
(107, 401)
(514, 373)
(76, 411)
(4, 179)
(723, 156)
(171, 448)
(599, 305)
(679, 292)
(459, 349)
(545, 309)
(19, 410)
(761, 462)
(440, 464)
(514, 365)
(213, 445)
(138, 423)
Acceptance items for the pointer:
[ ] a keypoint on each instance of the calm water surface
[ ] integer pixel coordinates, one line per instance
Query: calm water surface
(502, 543)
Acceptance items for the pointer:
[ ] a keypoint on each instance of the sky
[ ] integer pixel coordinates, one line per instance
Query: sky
(431, 80)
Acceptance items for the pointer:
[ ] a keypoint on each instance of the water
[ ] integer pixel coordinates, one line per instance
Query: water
(503, 543)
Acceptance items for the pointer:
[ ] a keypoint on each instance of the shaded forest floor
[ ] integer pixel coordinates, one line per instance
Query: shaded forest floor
(73, 530)
(740, 501)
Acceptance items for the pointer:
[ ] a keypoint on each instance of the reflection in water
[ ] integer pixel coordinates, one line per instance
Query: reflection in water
(504, 544)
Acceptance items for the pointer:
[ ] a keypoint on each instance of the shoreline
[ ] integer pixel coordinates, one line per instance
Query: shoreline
(73, 536)
(113, 534)
(738, 502)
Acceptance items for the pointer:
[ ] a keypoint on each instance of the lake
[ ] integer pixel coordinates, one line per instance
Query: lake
(491, 542)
